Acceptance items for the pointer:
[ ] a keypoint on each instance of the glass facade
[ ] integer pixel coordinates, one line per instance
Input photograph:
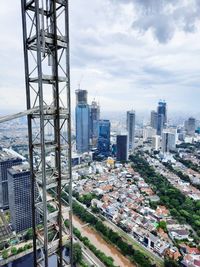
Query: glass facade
(130, 125)
(81, 97)
(104, 137)
(82, 127)
(154, 119)
(94, 118)
(162, 116)
(122, 148)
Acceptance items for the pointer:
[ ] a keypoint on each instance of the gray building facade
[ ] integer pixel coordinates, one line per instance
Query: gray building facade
(94, 119)
(154, 119)
(130, 126)
(7, 160)
(20, 200)
(190, 126)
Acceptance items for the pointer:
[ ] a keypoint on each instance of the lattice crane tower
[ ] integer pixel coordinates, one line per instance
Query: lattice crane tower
(47, 76)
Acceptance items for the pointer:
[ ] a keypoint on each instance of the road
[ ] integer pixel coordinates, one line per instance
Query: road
(88, 256)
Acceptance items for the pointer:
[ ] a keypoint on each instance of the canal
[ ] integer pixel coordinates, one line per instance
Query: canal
(101, 244)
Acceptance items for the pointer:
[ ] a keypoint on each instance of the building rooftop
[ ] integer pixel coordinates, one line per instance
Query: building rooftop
(19, 168)
(6, 154)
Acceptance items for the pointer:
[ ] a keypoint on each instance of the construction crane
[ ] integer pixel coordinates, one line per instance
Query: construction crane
(47, 77)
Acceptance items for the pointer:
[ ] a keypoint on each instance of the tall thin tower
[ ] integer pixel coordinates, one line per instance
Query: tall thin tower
(130, 126)
(47, 77)
(82, 121)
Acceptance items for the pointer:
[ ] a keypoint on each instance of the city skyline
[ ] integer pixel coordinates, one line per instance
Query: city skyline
(117, 51)
(133, 181)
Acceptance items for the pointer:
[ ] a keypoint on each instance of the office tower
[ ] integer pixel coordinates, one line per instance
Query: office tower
(156, 142)
(122, 147)
(82, 121)
(190, 126)
(130, 126)
(168, 141)
(7, 160)
(19, 184)
(162, 116)
(154, 119)
(94, 118)
(104, 137)
(148, 132)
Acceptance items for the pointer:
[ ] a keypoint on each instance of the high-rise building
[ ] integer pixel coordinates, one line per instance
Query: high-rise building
(154, 119)
(81, 97)
(168, 141)
(190, 126)
(148, 132)
(82, 121)
(162, 116)
(104, 137)
(7, 160)
(156, 142)
(122, 147)
(94, 118)
(130, 126)
(19, 183)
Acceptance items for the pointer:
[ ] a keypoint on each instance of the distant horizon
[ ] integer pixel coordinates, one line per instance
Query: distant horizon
(142, 114)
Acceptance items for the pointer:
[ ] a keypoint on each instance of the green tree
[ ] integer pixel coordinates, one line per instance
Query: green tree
(77, 252)
(162, 225)
(5, 254)
(14, 250)
(20, 250)
(171, 263)
(29, 234)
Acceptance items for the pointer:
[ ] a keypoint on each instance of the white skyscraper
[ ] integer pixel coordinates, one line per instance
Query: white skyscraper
(130, 125)
(156, 142)
(168, 141)
(148, 132)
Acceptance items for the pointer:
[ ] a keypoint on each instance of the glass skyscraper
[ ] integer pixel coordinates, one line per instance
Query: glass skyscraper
(122, 147)
(190, 126)
(82, 121)
(154, 119)
(104, 137)
(162, 116)
(94, 118)
(130, 126)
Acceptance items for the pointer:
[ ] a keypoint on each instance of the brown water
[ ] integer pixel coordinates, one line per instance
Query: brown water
(101, 244)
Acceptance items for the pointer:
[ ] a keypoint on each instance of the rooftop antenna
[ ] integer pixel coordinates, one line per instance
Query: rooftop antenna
(79, 83)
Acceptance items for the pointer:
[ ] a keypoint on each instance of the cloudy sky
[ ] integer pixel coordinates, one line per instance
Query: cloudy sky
(126, 53)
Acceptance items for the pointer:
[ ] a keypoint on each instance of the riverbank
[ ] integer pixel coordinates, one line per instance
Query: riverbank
(95, 238)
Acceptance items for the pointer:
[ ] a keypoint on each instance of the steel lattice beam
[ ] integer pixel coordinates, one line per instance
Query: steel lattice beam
(47, 77)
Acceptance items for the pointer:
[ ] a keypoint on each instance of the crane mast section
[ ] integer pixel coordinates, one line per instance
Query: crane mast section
(47, 77)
